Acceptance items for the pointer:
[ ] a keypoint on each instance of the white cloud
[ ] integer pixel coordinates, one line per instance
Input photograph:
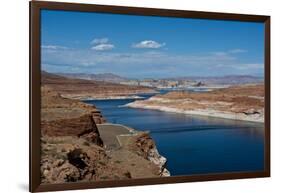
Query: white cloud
(220, 53)
(229, 55)
(242, 66)
(236, 51)
(53, 47)
(229, 52)
(99, 58)
(148, 44)
(101, 44)
(249, 66)
(100, 41)
(103, 47)
(136, 63)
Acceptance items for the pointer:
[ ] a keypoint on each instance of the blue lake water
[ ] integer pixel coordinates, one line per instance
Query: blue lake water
(194, 144)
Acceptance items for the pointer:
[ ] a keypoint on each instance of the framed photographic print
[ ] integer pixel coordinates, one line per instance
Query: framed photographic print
(123, 96)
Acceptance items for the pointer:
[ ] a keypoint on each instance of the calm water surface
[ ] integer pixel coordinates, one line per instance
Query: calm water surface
(194, 144)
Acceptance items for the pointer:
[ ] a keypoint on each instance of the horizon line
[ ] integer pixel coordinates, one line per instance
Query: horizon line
(187, 76)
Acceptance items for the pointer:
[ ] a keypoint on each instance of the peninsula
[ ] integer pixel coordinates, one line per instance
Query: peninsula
(241, 102)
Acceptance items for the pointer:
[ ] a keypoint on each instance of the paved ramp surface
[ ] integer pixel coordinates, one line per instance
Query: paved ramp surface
(109, 133)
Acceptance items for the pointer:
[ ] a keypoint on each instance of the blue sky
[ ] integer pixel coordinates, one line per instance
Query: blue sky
(149, 47)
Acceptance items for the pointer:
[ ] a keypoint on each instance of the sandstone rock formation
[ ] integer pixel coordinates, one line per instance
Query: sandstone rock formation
(72, 159)
(143, 145)
(243, 102)
(71, 144)
(66, 117)
(72, 149)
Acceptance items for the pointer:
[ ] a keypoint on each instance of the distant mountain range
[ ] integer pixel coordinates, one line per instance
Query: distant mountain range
(107, 77)
(220, 80)
(224, 80)
(78, 88)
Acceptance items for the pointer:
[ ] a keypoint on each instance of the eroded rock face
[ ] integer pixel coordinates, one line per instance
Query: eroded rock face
(144, 145)
(72, 159)
(83, 126)
(97, 117)
(67, 117)
(71, 146)
(72, 149)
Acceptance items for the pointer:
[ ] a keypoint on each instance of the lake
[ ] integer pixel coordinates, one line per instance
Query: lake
(193, 144)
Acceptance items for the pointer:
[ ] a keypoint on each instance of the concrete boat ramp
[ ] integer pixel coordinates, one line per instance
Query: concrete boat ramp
(109, 133)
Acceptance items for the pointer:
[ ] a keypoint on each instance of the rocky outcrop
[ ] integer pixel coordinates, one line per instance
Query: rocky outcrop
(72, 148)
(143, 145)
(72, 159)
(97, 117)
(83, 126)
(66, 117)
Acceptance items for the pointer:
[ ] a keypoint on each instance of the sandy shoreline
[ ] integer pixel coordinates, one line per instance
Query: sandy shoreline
(200, 112)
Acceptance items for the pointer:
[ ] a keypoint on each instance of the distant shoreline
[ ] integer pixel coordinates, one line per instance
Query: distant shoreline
(112, 97)
(108, 98)
(199, 112)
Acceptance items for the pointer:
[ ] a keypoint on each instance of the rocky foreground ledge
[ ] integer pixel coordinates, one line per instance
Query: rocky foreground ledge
(125, 143)
(244, 102)
(74, 149)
